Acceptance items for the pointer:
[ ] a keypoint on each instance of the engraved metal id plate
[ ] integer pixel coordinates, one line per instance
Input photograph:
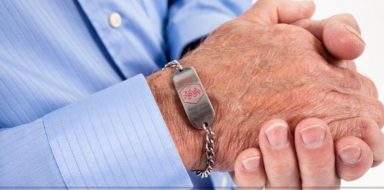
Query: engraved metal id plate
(192, 95)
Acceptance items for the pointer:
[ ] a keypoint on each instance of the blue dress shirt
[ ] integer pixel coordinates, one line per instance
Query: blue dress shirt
(75, 108)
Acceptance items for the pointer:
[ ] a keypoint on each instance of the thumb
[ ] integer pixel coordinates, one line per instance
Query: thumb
(279, 11)
(249, 170)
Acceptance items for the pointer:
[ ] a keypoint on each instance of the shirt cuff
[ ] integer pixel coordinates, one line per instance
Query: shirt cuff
(115, 138)
(190, 28)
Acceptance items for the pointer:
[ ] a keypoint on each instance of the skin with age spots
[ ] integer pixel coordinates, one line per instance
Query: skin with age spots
(252, 74)
(270, 171)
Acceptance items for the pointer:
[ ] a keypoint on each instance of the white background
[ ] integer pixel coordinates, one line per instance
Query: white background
(370, 16)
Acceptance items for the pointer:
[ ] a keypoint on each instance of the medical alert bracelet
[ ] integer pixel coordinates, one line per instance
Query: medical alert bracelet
(197, 106)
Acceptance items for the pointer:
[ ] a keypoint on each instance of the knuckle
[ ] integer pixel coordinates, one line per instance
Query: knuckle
(350, 80)
(353, 83)
(291, 33)
(346, 127)
(317, 68)
(369, 86)
(340, 106)
(347, 64)
(306, 47)
(381, 114)
(372, 108)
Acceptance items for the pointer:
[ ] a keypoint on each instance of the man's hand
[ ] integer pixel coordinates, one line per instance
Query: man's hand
(254, 71)
(296, 164)
(340, 35)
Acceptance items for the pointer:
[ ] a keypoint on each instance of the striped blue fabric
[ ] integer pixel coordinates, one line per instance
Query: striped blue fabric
(115, 138)
(75, 108)
(26, 159)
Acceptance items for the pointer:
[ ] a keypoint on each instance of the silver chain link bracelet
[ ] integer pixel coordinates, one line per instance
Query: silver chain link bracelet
(197, 106)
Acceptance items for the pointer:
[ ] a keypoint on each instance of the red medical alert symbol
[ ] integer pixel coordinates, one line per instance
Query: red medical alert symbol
(191, 93)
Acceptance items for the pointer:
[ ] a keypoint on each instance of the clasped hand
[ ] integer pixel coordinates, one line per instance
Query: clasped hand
(273, 62)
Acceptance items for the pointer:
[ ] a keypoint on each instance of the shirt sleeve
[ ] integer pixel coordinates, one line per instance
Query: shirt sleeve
(191, 20)
(114, 138)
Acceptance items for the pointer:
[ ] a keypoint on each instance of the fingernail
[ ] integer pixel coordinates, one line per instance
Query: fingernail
(251, 164)
(277, 134)
(313, 136)
(354, 32)
(350, 154)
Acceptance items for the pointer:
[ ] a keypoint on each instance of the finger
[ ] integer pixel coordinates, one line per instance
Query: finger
(342, 37)
(350, 82)
(354, 158)
(340, 34)
(249, 169)
(377, 160)
(279, 11)
(344, 107)
(372, 135)
(275, 143)
(314, 148)
(364, 128)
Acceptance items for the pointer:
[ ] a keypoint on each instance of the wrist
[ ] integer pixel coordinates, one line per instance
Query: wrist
(188, 140)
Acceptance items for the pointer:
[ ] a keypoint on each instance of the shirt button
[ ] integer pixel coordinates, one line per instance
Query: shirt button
(114, 20)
